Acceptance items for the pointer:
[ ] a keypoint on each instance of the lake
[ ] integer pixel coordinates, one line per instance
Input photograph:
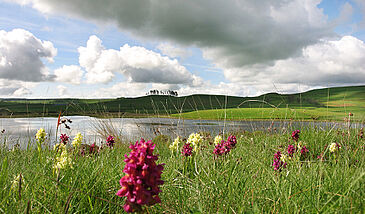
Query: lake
(21, 130)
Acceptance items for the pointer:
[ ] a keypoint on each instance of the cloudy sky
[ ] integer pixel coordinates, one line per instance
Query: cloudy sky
(114, 48)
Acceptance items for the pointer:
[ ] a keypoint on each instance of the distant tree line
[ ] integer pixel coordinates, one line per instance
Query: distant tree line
(165, 92)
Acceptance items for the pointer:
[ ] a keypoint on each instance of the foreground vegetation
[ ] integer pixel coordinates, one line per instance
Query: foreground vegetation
(326, 179)
(320, 104)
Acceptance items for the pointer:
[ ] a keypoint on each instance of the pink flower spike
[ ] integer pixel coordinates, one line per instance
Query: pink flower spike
(141, 183)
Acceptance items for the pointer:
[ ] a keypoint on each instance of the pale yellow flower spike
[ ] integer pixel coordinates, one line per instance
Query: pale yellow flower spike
(218, 139)
(195, 139)
(41, 135)
(77, 141)
(175, 145)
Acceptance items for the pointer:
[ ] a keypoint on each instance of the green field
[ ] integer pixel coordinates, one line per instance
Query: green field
(242, 181)
(320, 104)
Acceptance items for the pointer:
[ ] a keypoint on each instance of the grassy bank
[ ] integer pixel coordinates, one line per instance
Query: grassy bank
(241, 181)
(305, 113)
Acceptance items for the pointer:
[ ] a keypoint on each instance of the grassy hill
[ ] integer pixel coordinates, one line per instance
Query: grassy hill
(329, 103)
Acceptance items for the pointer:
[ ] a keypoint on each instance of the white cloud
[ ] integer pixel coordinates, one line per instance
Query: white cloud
(122, 89)
(21, 55)
(69, 74)
(62, 90)
(14, 88)
(173, 51)
(135, 63)
(335, 62)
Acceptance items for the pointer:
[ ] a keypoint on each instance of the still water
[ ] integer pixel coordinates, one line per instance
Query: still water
(22, 130)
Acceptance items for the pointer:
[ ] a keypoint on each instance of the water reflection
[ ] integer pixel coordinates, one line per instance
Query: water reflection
(22, 130)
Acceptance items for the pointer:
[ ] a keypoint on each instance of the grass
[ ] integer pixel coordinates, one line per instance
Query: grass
(305, 113)
(241, 182)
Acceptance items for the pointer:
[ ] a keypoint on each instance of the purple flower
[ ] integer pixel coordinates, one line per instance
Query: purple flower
(295, 135)
(93, 149)
(222, 148)
(140, 184)
(187, 150)
(110, 141)
(291, 150)
(232, 140)
(64, 138)
(278, 164)
(304, 151)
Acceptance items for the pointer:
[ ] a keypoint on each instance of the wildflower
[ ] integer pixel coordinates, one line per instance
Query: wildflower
(232, 140)
(59, 147)
(291, 150)
(295, 135)
(218, 139)
(334, 147)
(62, 161)
(140, 184)
(175, 144)
(195, 139)
(41, 135)
(222, 148)
(77, 140)
(110, 141)
(279, 161)
(283, 158)
(15, 183)
(187, 150)
(64, 138)
(93, 148)
(304, 151)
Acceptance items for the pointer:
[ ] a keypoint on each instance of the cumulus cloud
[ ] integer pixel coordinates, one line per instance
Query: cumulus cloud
(231, 33)
(62, 90)
(122, 89)
(14, 88)
(136, 63)
(326, 63)
(21, 55)
(69, 74)
(173, 51)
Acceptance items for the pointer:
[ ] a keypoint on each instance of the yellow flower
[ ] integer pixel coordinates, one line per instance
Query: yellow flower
(195, 139)
(283, 158)
(63, 161)
(41, 135)
(77, 141)
(218, 139)
(175, 145)
(15, 182)
(333, 147)
(59, 147)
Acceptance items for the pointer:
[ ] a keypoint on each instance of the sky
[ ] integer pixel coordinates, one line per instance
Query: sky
(124, 48)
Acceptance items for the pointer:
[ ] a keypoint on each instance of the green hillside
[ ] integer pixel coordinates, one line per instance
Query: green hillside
(329, 103)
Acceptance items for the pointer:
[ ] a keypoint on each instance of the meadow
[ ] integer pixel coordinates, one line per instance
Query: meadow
(316, 170)
(249, 177)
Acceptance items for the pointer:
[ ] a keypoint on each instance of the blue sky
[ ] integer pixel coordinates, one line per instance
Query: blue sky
(82, 49)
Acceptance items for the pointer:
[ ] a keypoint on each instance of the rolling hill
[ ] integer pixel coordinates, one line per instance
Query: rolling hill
(332, 103)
